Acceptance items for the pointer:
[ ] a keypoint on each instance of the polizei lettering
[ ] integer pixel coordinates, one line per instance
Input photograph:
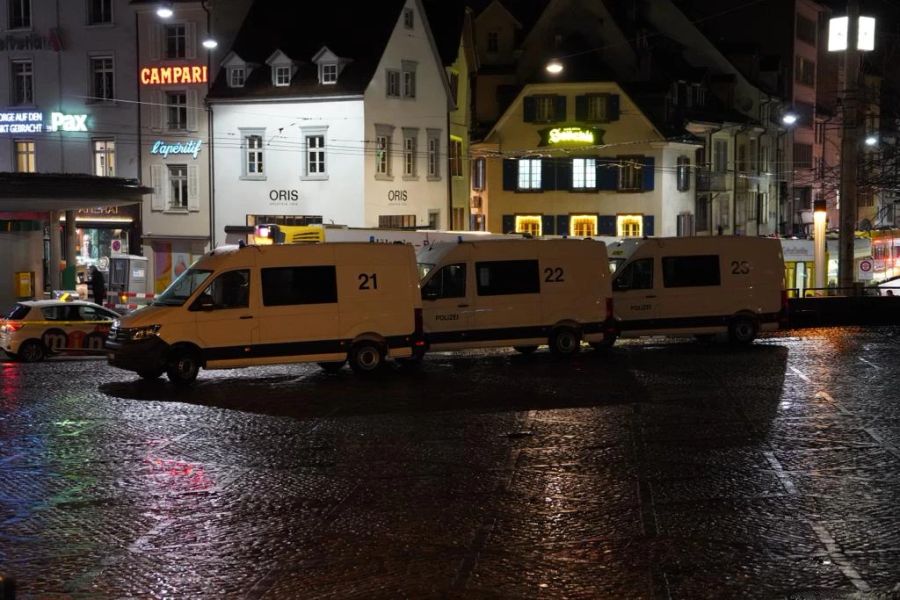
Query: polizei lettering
(446, 317)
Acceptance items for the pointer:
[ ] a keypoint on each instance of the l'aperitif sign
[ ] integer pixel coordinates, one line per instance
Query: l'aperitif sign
(555, 136)
(174, 75)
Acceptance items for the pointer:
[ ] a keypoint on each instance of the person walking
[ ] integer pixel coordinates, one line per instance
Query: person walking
(98, 286)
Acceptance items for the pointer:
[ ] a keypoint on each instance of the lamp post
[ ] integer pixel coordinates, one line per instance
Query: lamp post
(788, 119)
(820, 216)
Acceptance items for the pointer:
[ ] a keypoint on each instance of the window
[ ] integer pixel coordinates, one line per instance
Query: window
(102, 78)
(583, 225)
(703, 213)
(529, 174)
(409, 153)
(19, 14)
(24, 156)
(629, 225)
(397, 221)
(382, 155)
(720, 156)
(408, 18)
(596, 107)
(493, 41)
(478, 174)
(803, 156)
(393, 83)
(285, 286)
(690, 271)
(409, 79)
(630, 173)
(178, 186)
(315, 155)
(99, 11)
(584, 173)
(282, 76)
(456, 167)
(805, 71)
(104, 158)
(434, 154)
(236, 77)
(175, 40)
(683, 173)
(507, 277)
(448, 282)
(23, 82)
(544, 108)
(741, 158)
(637, 275)
(806, 30)
(329, 73)
(228, 290)
(176, 109)
(253, 148)
(530, 224)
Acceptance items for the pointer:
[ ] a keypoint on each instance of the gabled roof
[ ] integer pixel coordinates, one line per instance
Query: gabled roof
(358, 31)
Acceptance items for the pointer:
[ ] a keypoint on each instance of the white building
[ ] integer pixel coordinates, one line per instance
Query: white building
(321, 118)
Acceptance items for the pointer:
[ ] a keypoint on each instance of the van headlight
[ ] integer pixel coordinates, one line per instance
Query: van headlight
(143, 333)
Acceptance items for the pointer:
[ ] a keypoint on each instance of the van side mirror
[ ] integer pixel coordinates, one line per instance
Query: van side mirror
(203, 303)
(620, 285)
(430, 294)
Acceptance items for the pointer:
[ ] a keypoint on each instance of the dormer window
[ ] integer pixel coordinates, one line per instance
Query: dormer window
(282, 76)
(236, 77)
(408, 19)
(329, 73)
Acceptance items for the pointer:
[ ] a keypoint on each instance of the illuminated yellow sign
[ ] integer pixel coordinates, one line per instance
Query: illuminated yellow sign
(591, 136)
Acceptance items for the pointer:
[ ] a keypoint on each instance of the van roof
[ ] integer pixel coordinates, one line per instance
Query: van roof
(437, 251)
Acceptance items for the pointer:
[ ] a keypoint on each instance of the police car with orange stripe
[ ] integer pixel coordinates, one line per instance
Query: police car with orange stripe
(34, 330)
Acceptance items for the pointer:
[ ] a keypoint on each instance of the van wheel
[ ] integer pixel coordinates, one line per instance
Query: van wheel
(31, 351)
(150, 374)
(608, 342)
(565, 341)
(183, 367)
(332, 367)
(525, 349)
(742, 330)
(366, 357)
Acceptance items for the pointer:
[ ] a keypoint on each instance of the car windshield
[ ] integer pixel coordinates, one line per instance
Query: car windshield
(181, 289)
(424, 269)
(18, 312)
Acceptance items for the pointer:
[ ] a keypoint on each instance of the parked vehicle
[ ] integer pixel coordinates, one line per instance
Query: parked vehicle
(701, 286)
(248, 305)
(36, 329)
(519, 293)
(888, 287)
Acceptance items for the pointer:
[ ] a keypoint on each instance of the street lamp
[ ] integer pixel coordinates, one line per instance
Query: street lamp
(820, 217)
(554, 67)
(789, 118)
(164, 11)
(871, 139)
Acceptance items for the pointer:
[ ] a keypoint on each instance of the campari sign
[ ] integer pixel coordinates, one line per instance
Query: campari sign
(176, 75)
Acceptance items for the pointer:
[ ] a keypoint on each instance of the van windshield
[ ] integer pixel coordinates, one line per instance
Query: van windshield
(181, 289)
(424, 269)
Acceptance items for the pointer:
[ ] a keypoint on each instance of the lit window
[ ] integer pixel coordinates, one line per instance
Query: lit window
(102, 74)
(178, 186)
(25, 156)
(253, 148)
(530, 224)
(104, 158)
(629, 225)
(315, 155)
(478, 174)
(583, 225)
(329, 73)
(529, 174)
(282, 76)
(236, 77)
(584, 173)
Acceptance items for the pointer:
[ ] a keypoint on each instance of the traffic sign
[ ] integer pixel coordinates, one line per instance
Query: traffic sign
(865, 270)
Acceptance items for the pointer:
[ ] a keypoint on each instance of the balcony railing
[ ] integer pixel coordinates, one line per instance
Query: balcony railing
(711, 181)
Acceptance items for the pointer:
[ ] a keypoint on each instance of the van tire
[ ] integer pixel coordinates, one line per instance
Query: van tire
(183, 366)
(31, 351)
(366, 357)
(525, 349)
(564, 341)
(333, 366)
(742, 330)
(608, 342)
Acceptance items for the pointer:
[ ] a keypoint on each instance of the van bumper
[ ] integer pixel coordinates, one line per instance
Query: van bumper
(143, 355)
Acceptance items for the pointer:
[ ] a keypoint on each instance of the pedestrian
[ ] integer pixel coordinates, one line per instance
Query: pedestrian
(98, 286)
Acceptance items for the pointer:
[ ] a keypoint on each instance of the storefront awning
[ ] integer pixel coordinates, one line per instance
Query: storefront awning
(40, 192)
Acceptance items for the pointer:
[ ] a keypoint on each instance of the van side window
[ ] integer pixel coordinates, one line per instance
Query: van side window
(229, 290)
(636, 276)
(690, 271)
(449, 282)
(502, 277)
(283, 286)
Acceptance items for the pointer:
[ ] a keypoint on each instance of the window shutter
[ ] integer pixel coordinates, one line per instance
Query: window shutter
(648, 173)
(548, 225)
(156, 32)
(193, 109)
(509, 224)
(548, 174)
(560, 106)
(190, 40)
(607, 174)
(581, 108)
(563, 173)
(606, 225)
(528, 110)
(612, 107)
(193, 172)
(158, 183)
(562, 224)
(648, 225)
(510, 174)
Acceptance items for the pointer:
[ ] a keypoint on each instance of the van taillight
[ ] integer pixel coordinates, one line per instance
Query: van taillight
(609, 308)
(420, 329)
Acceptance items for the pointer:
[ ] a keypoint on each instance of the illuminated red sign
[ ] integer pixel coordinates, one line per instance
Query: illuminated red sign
(173, 75)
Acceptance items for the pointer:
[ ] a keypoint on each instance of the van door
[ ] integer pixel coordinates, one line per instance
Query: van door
(224, 318)
(691, 292)
(447, 305)
(634, 298)
(509, 300)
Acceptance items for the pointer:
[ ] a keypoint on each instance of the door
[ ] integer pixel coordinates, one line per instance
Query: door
(447, 305)
(634, 297)
(225, 321)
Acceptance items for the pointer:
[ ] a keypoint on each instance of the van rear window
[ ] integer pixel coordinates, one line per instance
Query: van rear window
(502, 277)
(691, 271)
(282, 286)
(18, 312)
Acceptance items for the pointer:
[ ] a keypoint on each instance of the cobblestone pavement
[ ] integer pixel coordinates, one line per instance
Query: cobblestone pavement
(658, 470)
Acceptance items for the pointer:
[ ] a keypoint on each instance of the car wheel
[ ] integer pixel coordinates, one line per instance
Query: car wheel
(565, 341)
(332, 367)
(183, 367)
(608, 342)
(150, 375)
(366, 357)
(742, 330)
(31, 351)
(525, 349)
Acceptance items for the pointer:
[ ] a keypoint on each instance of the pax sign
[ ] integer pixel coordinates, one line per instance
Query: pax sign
(173, 75)
(61, 122)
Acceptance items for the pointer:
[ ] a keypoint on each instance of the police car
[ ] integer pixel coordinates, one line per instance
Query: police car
(34, 330)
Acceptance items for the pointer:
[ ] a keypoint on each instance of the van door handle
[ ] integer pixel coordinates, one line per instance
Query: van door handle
(247, 317)
(651, 296)
(462, 306)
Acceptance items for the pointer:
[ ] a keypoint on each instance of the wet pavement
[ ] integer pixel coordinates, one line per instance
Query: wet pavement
(655, 470)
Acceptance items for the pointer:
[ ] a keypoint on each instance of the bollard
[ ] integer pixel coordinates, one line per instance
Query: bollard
(7, 588)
